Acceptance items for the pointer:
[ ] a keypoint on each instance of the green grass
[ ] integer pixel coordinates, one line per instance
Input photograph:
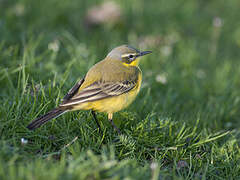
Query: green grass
(185, 123)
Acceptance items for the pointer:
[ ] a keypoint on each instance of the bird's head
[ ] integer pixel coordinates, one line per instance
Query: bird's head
(128, 55)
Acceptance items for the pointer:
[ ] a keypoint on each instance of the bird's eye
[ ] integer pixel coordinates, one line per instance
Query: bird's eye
(131, 57)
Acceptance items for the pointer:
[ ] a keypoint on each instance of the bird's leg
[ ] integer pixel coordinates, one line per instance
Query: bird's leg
(96, 120)
(110, 117)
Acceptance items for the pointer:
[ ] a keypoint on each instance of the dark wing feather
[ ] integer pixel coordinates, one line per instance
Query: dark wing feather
(73, 90)
(100, 90)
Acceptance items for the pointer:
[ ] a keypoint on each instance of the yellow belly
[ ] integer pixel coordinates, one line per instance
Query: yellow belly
(111, 104)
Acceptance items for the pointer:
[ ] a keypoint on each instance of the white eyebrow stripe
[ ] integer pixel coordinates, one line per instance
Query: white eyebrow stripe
(126, 55)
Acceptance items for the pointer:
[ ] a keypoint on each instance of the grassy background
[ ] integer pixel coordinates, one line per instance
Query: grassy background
(183, 125)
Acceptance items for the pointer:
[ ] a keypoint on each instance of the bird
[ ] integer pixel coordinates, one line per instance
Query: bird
(109, 86)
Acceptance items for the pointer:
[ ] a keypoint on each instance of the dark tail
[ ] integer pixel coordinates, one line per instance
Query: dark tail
(45, 118)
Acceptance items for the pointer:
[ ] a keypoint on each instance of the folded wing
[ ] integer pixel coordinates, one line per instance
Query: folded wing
(99, 90)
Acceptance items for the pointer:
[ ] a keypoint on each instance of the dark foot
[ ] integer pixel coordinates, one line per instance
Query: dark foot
(114, 126)
(96, 120)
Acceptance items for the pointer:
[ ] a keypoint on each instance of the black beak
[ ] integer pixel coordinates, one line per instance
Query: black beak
(144, 53)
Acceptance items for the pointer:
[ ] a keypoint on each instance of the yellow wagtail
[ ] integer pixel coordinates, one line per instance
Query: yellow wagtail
(109, 86)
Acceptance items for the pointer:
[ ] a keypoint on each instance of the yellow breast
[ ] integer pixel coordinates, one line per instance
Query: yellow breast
(113, 104)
